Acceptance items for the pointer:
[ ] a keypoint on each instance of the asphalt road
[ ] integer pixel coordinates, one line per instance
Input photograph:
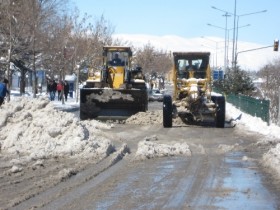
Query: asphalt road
(223, 172)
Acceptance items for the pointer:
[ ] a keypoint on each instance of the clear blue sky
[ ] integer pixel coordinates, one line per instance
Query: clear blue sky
(188, 18)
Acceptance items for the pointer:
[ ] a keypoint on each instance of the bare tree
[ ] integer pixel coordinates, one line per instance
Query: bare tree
(26, 32)
(98, 35)
(10, 30)
(84, 43)
(270, 88)
(89, 40)
(41, 34)
(42, 15)
(153, 61)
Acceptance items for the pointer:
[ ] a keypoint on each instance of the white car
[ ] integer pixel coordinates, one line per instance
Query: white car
(155, 95)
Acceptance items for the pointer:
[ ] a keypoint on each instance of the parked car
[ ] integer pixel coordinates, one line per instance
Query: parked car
(155, 95)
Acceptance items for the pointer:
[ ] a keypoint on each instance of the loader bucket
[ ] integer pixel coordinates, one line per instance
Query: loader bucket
(107, 103)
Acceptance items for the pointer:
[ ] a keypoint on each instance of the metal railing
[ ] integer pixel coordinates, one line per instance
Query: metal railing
(255, 107)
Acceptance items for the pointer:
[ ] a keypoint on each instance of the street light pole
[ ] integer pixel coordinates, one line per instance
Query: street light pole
(213, 60)
(233, 37)
(225, 50)
(227, 39)
(234, 48)
(216, 48)
(236, 35)
(227, 14)
(225, 60)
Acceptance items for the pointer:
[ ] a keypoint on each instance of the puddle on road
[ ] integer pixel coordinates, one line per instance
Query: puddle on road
(246, 188)
(158, 181)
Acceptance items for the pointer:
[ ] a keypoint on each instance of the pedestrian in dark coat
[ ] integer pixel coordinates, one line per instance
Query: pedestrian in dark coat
(66, 90)
(3, 90)
(52, 89)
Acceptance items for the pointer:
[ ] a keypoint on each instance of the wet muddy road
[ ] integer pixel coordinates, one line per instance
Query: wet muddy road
(223, 172)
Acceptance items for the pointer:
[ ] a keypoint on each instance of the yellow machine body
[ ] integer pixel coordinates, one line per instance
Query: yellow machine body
(112, 92)
(192, 98)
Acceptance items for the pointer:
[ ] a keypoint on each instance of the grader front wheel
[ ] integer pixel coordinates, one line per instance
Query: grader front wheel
(221, 110)
(167, 111)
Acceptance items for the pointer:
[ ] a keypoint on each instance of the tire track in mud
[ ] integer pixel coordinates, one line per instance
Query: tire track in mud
(193, 189)
(189, 183)
(59, 194)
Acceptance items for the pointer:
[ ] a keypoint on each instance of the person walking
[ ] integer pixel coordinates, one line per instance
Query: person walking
(66, 90)
(49, 87)
(59, 89)
(3, 90)
(52, 89)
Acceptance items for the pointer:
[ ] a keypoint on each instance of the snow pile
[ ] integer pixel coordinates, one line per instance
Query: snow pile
(33, 128)
(227, 148)
(65, 174)
(271, 133)
(255, 124)
(148, 149)
(272, 159)
(150, 118)
(118, 155)
(146, 118)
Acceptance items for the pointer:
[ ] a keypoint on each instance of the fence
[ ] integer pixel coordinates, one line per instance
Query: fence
(252, 106)
(255, 107)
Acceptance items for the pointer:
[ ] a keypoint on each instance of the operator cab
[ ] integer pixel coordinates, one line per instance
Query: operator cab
(192, 66)
(117, 57)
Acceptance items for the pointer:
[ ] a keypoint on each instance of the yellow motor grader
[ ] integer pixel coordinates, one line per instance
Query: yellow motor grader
(116, 90)
(193, 100)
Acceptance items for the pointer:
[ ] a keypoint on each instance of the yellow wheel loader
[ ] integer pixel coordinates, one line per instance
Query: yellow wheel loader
(193, 100)
(115, 91)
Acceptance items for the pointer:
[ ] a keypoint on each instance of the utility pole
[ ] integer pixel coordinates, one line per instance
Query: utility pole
(226, 15)
(63, 75)
(34, 34)
(279, 107)
(226, 53)
(266, 74)
(216, 49)
(275, 48)
(235, 29)
(77, 82)
(9, 76)
(234, 39)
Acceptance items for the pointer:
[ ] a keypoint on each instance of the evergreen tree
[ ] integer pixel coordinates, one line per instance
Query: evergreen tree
(237, 82)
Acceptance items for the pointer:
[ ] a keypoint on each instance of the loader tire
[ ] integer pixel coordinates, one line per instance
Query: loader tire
(221, 110)
(82, 116)
(167, 111)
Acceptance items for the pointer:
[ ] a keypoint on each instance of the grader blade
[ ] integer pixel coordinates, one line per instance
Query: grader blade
(100, 103)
